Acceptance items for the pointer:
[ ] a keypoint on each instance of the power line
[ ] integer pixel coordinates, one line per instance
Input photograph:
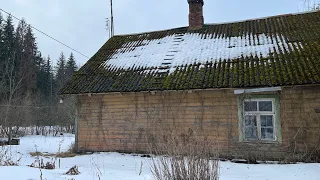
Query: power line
(45, 34)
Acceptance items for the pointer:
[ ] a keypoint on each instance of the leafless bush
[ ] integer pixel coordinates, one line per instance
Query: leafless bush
(180, 158)
(73, 171)
(302, 154)
(70, 153)
(38, 130)
(39, 163)
(7, 158)
(72, 148)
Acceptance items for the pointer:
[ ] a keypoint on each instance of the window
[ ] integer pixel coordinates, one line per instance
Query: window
(259, 119)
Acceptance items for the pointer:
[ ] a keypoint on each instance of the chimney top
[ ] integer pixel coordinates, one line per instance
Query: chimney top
(196, 20)
(196, 1)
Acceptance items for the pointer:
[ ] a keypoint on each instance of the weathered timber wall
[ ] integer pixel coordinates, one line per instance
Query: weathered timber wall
(128, 122)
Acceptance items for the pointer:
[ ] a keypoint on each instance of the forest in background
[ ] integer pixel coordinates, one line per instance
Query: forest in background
(29, 84)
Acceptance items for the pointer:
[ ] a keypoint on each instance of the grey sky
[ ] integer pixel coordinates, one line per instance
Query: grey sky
(81, 23)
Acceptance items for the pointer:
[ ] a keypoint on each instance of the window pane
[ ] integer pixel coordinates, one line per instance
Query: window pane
(265, 106)
(250, 106)
(250, 127)
(251, 133)
(267, 133)
(250, 120)
(266, 121)
(263, 122)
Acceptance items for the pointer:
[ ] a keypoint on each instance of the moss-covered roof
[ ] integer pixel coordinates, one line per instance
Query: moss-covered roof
(274, 51)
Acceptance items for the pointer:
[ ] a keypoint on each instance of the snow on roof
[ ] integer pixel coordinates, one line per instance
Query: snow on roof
(177, 50)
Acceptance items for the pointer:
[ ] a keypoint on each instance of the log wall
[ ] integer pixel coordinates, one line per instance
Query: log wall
(128, 122)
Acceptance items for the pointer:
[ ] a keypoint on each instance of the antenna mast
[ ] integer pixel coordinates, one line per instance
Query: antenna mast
(112, 23)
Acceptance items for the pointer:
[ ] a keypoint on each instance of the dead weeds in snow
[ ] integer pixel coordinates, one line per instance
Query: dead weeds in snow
(7, 158)
(67, 154)
(73, 171)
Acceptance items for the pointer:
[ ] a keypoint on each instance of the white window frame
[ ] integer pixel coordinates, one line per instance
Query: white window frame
(258, 115)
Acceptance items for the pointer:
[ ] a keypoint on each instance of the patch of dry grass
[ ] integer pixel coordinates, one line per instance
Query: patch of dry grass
(33, 154)
(67, 154)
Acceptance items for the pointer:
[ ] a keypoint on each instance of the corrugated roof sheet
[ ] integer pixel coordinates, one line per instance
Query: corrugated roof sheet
(275, 51)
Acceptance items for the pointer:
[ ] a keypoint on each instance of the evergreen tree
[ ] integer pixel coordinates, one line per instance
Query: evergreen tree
(20, 37)
(1, 34)
(44, 78)
(42, 81)
(23, 69)
(1, 48)
(2, 62)
(49, 78)
(61, 72)
(8, 38)
(8, 60)
(28, 68)
(71, 67)
(1, 21)
(19, 45)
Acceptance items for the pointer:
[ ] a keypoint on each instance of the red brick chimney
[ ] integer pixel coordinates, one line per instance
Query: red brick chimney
(195, 14)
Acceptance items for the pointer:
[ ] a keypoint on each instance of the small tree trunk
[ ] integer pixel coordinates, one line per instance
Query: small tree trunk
(9, 135)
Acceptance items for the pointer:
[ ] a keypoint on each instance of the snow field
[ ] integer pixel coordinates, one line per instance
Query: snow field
(115, 166)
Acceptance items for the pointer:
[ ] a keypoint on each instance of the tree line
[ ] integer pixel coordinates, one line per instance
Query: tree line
(29, 84)
(311, 4)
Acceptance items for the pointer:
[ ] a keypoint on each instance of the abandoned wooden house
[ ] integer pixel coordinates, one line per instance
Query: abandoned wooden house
(251, 86)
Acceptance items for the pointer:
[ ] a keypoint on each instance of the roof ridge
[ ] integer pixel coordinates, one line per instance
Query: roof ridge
(266, 17)
(141, 33)
(228, 22)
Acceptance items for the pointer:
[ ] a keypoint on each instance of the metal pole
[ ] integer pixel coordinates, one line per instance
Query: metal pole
(112, 25)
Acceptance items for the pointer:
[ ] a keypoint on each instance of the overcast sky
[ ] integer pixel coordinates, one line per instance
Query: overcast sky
(81, 23)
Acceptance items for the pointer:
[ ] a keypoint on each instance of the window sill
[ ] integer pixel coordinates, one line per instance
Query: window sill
(259, 142)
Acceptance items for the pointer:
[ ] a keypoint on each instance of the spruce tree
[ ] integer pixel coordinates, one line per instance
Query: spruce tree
(49, 78)
(42, 81)
(8, 63)
(61, 71)
(23, 69)
(1, 34)
(8, 44)
(71, 67)
(19, 45)
(28, 63)
(2, 62)
(1, 21)
(1, 48)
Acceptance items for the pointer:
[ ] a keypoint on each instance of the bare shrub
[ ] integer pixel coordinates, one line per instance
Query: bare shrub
(39, 163)
(72, 148)
(7, 158)
(303, 153)
(181, 157)
(73, 171)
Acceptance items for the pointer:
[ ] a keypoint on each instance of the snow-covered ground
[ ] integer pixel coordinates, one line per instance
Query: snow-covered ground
(115, 166)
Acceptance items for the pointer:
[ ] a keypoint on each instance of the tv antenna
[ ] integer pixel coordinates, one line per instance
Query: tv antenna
(112, 22)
